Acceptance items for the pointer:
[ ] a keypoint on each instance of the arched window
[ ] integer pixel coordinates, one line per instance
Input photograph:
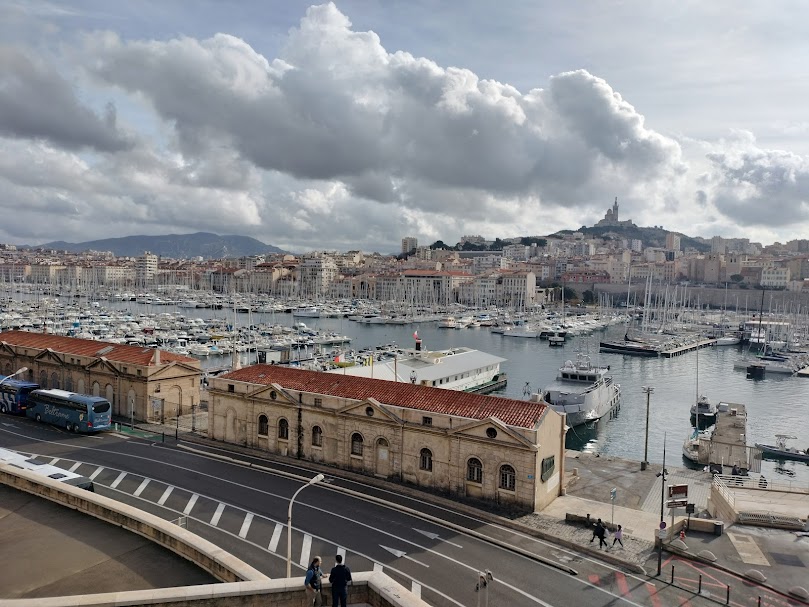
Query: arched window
(426, 460)
(8, 369)
(69, 384)
(54, 380)
(508, 478)
(263, 425)
(356, 444)
(474, 471)
(43, 379)
(283, 429)
(317, 436)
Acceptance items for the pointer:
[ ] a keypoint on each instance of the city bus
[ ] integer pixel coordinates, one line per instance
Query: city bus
(14, 395)
(76, 412)
(18, 460)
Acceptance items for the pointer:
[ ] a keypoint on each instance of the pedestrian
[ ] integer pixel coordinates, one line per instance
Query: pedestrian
(619, 536)
(340, 576)
(597, 530)
(312, 584)
(602, 533)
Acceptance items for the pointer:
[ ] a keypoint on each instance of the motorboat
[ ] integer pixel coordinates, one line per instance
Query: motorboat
(703, 412)
(782, 451)
(584, 392)
(691, 444)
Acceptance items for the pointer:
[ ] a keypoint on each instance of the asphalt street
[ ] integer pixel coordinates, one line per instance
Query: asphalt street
(243, 508)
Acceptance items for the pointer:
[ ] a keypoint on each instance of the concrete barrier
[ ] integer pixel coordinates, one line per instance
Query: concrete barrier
(368, 588)
(206, 555)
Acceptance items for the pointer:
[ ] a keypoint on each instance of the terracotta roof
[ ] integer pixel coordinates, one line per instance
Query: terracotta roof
(523, 414)
(137, 355)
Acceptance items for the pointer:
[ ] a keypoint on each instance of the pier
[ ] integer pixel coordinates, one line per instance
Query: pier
(689, 347)
(727, 445)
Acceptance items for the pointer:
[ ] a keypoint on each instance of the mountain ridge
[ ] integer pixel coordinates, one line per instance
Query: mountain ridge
(177, 246)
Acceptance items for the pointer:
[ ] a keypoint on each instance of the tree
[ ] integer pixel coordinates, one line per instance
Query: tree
(570, 294)
(588, 296)
(737, 278)
(497, 245)
(439, 244)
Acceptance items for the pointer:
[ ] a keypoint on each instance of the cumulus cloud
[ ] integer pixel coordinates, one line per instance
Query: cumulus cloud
(336, 105)
(747, 182)
(37, 103)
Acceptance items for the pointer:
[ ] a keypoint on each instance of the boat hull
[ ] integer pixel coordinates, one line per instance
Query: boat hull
(774, 452)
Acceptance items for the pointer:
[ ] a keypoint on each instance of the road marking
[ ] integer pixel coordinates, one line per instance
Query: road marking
(653, 594)
(165, 495)
(342, 552)
(98, 471)
(748, 549)
(415, 588)
(276, 535)
(435, 536)
(378, 567)
(217, 515)
(190, 504)
(9, 425)
(118, 480)
(140, 489)
(246, 525)
(402, 554)
(54, 460)
(74, 467)
(620, 578)
(306, 548)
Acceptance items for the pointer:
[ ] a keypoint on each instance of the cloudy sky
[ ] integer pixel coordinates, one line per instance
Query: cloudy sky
(351, 125)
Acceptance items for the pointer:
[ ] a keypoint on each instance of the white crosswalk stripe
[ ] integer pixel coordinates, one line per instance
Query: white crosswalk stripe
(165, 495)
(246, 525)
(415, 588)
(98, 471)
(378, 567)
(217, 515)
(276, 536)
(306, 548)
(190, 505)
(118, 480)
(74, 467)
(142, 486)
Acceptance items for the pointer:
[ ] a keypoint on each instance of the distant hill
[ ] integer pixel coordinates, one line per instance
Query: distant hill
(650, 237)
(177, 246)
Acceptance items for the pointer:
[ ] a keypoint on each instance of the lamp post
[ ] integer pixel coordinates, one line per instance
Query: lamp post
(662, 503)
(316, 479)
(17, 372)
(648, 390)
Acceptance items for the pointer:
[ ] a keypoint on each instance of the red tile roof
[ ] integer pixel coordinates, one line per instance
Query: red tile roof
(137, 355)
(522, 414)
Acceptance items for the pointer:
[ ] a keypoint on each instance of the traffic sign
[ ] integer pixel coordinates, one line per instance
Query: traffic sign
(662, 524)
(677, 503)
(613, 493)
(662, 534)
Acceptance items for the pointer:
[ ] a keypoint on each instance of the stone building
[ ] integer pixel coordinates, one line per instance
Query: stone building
(150, 383)
(481, 447)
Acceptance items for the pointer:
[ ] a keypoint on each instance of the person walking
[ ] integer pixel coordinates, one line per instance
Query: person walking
(597, 530)
(339, 577)
(618, 537)
(602, 534)
(312, 583)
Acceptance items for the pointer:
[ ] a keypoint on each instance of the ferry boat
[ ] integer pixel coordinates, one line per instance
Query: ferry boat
(582, 391)
(460, 368)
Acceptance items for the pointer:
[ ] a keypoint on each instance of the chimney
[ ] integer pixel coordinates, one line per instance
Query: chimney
(156, 357)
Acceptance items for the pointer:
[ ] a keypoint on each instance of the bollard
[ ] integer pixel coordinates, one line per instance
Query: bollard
(699, 588)
(672, 575)
(727, 598)
(163, 439)
(759, 600)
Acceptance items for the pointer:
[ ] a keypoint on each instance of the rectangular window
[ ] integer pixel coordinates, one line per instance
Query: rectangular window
(125, 370)
(426, 421)
(231, 388)
(548, 466)
(139, 372)
(318, 402)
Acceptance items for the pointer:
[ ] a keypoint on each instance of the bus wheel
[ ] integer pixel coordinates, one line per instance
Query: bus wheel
(70, 428)
(39, 417)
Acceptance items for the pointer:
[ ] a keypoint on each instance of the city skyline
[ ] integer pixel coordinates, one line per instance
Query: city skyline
(352, 125)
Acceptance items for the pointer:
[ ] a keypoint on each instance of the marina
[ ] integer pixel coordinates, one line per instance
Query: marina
(774, 403)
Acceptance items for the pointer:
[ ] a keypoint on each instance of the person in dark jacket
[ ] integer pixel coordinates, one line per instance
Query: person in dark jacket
(339, 577)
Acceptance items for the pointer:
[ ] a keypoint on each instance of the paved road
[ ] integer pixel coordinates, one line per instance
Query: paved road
(244, 510)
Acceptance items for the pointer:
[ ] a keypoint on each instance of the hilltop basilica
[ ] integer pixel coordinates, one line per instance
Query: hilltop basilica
(611, 217)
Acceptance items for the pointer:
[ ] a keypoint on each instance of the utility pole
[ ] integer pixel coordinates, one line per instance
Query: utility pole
(645, 463)
(662, 503)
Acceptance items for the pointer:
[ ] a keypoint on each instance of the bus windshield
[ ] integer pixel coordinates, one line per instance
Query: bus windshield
(101, 407)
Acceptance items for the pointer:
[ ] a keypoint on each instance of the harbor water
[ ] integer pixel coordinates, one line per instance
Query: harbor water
(775, 405)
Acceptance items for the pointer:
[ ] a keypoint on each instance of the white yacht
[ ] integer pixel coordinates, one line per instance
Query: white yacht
(582, 391)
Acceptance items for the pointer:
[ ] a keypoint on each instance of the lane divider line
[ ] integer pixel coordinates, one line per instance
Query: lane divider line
(165, 495)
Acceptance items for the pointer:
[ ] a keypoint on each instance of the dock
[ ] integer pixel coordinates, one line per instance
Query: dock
(727, 445)
(679, 350)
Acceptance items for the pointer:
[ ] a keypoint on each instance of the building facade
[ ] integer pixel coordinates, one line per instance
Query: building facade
(479, 447)
(149, 384)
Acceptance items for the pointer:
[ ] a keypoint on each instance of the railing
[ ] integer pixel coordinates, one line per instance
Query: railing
(719, 483)
(771, 519)
(765, 484)
(181, 522)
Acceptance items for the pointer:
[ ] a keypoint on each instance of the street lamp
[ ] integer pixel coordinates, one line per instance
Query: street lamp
(316, 479)
(648, 390)
(662, 476)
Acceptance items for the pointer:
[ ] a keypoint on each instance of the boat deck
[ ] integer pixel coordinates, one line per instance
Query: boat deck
(728, 443)
(690, 347)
